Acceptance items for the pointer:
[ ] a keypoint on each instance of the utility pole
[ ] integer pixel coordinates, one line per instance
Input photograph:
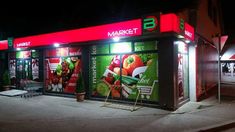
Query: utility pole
(219, 67)
(219, 42)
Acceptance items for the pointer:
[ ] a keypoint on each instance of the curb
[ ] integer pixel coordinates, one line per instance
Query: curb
(218, 127)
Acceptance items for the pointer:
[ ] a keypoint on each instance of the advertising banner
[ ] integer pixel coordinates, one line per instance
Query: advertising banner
(62, 70)
(125, 75)
(12, 68)
(180, 76)
(62, 74)
(35, 69)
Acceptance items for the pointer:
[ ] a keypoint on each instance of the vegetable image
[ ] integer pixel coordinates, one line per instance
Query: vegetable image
(109, 78)
(116, 61)
(117, 82)
(59, 73)
(117, 70)
(102, 89)
(115, 92)
(149, 62)
(145, 58)
(71, 66)
(132, 62)
(59, 68)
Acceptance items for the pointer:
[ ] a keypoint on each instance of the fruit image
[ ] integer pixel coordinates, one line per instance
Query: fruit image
(132, 62)
(117, 71)
(71, 66)
(109, 78)
(102, 89)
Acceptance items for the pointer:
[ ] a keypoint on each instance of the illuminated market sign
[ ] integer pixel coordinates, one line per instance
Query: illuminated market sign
(150, 23)
(23, 44)
(159, 23)
(3, 45)
(181, 24)
(172, 23)
(189, 32)
(120, 29)
(126, 32)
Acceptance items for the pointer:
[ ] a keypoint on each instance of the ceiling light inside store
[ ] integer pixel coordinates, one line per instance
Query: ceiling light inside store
(116, 39)
(187, 41)
(18, 49)
(180, 36)
(56, 45)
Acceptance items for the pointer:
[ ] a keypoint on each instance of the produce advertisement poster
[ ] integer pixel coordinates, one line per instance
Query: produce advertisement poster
(180, 75)
(99, 49)
(12, 68)
(23, 54)
(62, 74)
(125, 75)
(35, 69)
(62, 71)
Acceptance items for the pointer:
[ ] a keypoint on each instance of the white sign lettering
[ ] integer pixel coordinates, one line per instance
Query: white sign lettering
(188, 33)
(23, 44)
(123, 32)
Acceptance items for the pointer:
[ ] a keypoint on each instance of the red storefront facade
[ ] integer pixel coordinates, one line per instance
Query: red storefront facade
(145, 58)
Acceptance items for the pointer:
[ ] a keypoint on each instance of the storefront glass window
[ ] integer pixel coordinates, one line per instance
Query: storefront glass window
(125, 74)
(62, 68)
(23, 66)
(183, 86)
(123, 47)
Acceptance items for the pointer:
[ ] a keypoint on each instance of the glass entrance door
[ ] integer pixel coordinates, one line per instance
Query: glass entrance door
(183, 74)
(24, 70)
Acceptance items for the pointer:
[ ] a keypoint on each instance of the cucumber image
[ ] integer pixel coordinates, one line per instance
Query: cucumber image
(102, 88)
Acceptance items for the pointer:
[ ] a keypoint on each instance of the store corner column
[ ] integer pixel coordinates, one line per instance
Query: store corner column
(166, 74)
(85, 69)
(192, 73)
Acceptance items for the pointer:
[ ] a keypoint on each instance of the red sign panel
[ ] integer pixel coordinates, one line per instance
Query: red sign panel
(3, 45)
(120, 29)
(169, 23)
(188, 32)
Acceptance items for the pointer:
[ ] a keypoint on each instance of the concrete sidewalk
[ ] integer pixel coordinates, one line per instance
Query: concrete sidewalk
(50, 113)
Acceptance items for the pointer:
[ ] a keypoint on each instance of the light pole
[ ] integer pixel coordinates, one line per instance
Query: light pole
(219, 42)
(219, 67)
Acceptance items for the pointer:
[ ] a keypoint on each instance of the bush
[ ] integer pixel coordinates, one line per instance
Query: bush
(80, 84)
(6, 78)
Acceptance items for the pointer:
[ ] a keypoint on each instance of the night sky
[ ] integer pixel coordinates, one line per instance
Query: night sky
(31, 18)
(229, 20)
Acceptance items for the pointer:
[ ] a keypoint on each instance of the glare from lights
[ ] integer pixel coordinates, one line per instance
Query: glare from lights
(56, 45)
(18, 49)
(181, 46)
(123, 47)
(187, 41)
(116, 39)
(180, 36)
(33, 50)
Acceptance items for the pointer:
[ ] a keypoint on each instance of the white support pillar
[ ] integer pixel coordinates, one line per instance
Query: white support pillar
(192, 73)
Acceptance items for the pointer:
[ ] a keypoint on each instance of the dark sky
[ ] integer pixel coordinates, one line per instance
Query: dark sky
(228, 15)
(24, 19)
